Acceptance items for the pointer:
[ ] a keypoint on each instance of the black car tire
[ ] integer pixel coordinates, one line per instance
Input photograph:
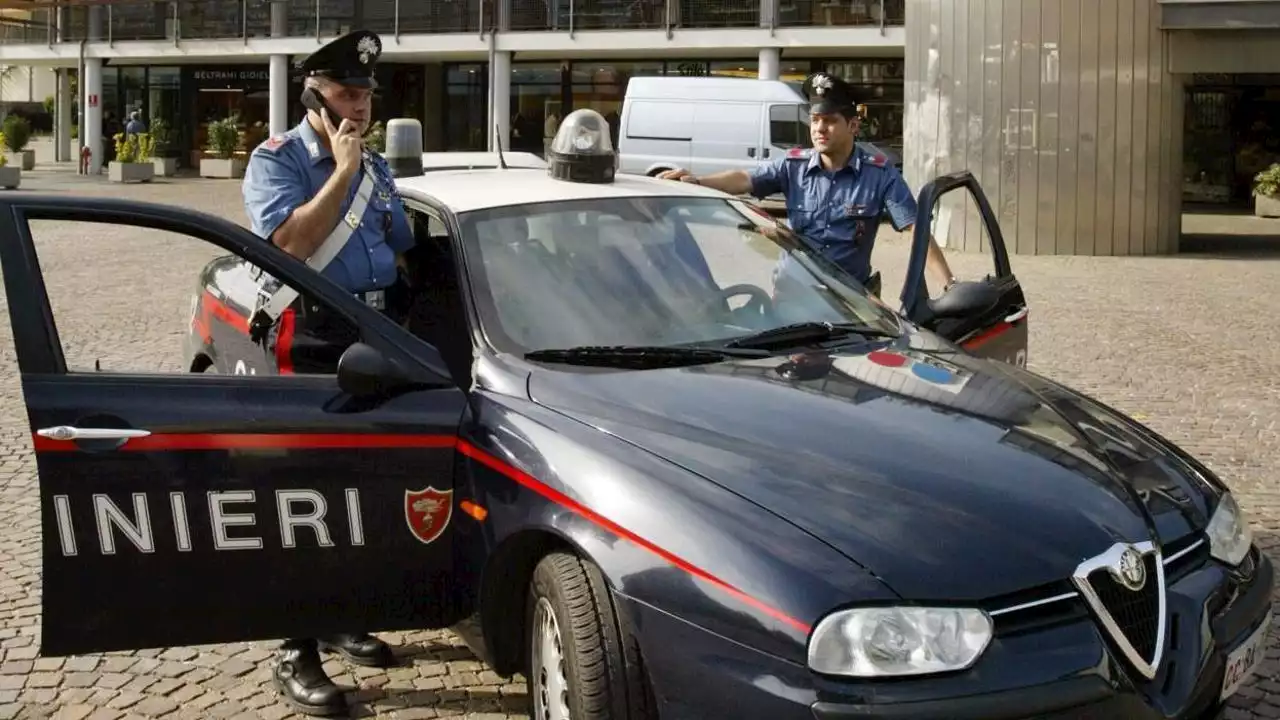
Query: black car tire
(602, 669)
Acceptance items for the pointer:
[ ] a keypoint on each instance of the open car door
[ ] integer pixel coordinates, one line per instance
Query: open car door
(183, 509)
(987, 317)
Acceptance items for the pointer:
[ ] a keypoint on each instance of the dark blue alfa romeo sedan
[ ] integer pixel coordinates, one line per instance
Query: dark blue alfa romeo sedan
(638, 442)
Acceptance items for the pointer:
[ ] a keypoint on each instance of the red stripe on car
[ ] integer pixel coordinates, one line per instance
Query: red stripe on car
(328, 441)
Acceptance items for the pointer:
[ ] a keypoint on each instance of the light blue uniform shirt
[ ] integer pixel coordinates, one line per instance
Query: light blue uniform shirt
(838, 213)
(288, 170)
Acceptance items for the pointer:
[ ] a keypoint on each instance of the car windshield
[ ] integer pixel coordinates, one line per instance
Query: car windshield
(651, 272)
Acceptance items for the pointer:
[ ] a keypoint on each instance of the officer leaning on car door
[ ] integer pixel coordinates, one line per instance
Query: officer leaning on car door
(835, 192)
(318, 194)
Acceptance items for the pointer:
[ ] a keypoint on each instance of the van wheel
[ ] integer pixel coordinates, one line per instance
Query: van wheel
(576, 665)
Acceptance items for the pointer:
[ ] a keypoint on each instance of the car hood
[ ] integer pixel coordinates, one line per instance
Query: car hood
(947, 476)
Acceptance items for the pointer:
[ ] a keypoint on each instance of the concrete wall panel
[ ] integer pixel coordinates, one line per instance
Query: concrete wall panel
(1064, 110)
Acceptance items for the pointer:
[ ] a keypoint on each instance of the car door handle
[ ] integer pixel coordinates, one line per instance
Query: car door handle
(67, 432)
(1017, 315)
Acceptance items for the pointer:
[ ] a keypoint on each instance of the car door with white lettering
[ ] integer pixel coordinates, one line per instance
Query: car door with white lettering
(182, 508)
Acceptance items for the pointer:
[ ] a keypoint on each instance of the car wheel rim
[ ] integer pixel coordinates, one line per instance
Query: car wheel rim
(551, 696)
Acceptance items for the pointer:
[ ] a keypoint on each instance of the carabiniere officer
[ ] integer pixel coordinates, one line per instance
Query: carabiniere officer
(306, 191)
(835, 192)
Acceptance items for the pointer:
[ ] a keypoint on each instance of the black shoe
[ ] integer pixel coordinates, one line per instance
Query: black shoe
(359, 648)
(303, 683)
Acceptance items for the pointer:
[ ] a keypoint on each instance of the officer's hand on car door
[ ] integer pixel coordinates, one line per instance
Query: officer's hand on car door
(345, 143)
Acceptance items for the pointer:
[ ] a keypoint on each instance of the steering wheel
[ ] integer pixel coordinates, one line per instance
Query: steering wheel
(760, 302)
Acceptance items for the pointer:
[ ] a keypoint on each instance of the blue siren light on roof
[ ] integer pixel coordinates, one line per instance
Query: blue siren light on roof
(582, 150)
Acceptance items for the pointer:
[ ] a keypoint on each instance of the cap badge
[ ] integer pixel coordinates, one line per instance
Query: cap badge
(367, 47)
(821, 84)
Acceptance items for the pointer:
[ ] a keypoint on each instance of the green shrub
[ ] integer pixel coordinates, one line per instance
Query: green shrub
(224, 137)
(17, 131)
(1267, 182)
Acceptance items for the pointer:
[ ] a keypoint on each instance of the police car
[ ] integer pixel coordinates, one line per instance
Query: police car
(642, 445)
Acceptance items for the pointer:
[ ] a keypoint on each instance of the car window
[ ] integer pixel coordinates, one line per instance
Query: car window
(647, 271)
(789, 126)
(127, 299)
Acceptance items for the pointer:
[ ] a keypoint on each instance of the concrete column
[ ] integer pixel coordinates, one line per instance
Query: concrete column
(770, 61)
(500, 92)
(279, 94)
(63, 121)
(1066, 113)
(278, 74)
(91, 127)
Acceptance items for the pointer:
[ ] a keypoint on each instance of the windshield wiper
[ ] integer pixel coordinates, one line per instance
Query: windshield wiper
(803, 332)
(632, 356)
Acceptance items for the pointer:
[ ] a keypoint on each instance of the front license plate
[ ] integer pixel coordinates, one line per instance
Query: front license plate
(1242, 662)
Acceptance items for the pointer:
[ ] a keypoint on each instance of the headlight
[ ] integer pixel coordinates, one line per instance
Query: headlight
(1229, 535)
(896, 641)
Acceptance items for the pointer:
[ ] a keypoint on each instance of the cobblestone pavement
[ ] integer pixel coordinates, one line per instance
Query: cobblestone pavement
(1174, 341)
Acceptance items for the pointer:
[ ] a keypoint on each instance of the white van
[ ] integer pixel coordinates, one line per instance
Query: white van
(709, 124)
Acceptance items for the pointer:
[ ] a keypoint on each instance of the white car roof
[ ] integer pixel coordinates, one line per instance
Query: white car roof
(451, 160)
(468, 190)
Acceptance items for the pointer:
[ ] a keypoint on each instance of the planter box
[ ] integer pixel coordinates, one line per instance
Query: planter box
(166, 166)
(130, 172)
(1268, 207)
(26, 159)
(215, 168)
(10, 176)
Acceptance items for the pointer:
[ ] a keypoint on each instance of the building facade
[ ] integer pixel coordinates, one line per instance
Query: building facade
(1090, 123)
(459, 66)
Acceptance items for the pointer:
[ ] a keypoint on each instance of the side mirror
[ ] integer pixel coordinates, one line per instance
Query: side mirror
(965, 299)
(364, 370)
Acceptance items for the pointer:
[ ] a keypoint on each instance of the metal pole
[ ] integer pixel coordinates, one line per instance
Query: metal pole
(177, 23)
(397, 21)
(111, 29)
(571, 16)
(493, 95)
(317, 22)
(244, 20)
(882, 14)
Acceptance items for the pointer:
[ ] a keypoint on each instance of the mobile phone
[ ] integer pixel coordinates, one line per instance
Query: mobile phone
(312, 100)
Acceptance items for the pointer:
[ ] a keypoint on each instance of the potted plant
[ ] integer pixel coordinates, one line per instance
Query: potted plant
(1266, 192)
(133, 159)
(164, 159)
(10, 175)
(17, 131)
(376, 138)
(224, 140)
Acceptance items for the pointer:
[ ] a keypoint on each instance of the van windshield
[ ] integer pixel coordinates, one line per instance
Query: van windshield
(789, 126)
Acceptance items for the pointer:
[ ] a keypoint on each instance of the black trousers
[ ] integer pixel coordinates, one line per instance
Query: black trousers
(310, 340)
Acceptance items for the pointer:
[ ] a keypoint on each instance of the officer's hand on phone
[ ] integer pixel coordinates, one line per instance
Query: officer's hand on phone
(345, 142)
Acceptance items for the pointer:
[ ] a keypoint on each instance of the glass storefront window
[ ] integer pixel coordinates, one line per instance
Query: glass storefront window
(537, 105)
(239, 91)
(164, 104)
(602, 87)
(879, 85)
(466, 107)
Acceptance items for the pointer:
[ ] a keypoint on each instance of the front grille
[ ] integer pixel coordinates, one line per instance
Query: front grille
(1133, 619)
(1137, 614)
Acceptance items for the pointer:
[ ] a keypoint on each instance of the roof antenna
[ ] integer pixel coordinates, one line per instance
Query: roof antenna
(497, 143)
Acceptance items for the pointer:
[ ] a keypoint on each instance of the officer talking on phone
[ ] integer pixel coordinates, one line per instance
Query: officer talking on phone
(320, 195)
